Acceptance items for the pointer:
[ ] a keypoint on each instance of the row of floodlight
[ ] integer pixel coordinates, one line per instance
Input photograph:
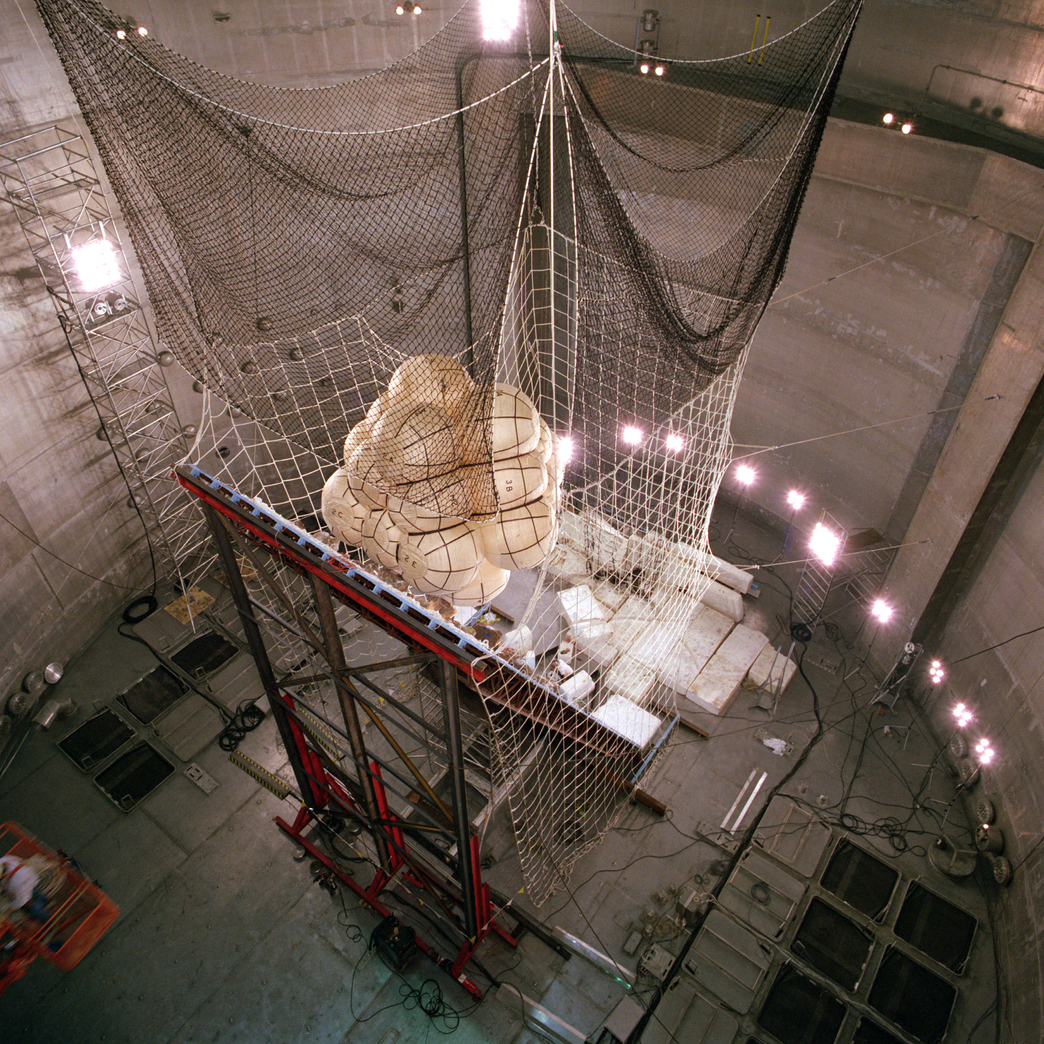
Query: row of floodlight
(984, 752)
(634, 436)
(125, 29)
(825, 545)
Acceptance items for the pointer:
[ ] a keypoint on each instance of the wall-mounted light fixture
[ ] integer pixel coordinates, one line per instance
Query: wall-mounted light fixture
(647, 44)
(903, 124)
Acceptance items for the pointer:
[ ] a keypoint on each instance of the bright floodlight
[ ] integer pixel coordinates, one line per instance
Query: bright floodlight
(96, 266)
(142, 31)
(660, 70)
(984, 752)
(673, 442)
(935, 671)
(963, 715)
(888, 119)
(796, 499)
(499, 19)
(566, 449)
(824, 544)
(881, 610)
(631, 435)
(745, 474)
(644, 68)
(906, 127)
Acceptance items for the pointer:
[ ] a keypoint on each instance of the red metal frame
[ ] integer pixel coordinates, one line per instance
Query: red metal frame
(400, 866)
(80, 913)
(493, 678)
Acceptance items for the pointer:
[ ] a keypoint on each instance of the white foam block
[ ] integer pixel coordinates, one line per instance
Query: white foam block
(722, 675)
(716, 568)
(594, 653)
(656, 642)
(627, 718)
(724, 600)
(601, 543)
(567, 564)
(631, 620)
(612, 596)
(586, 616)
(576, 688)
(630, 679)
(571, 530)
(771, 665)
(698, 643)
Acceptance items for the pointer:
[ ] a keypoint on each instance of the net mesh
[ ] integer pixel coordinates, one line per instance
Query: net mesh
(590, 249)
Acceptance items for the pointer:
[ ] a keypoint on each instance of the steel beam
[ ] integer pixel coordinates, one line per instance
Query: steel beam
(260, 654)
(455, 756)
(334, 653)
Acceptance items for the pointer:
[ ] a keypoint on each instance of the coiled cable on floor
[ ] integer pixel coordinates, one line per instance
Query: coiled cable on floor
(247, 718)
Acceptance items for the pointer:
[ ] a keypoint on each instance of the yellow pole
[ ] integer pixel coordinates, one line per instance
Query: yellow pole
(768, 18)
(753, 39)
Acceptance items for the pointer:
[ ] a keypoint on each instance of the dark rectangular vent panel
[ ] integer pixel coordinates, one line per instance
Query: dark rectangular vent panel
(860, 880)
(833, 944)
(799, 1011)
(155, 693)
(134, 775)
(205, 654)
(97, 738)
(868, 1032)
(935, 927)
(914, 998)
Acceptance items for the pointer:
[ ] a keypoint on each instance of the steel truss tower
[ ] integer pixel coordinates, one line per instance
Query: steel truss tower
(51, 179)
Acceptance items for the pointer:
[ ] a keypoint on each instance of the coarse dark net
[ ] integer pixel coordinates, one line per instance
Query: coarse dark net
(297, 244)
(356, 267)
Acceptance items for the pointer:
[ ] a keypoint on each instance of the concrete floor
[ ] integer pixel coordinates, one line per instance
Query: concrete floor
(224, 936)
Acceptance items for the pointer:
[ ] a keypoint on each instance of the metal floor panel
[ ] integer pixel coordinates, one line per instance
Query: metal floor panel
(794, 835)
(728, 960)
(685, 1015)
(188, 727)
(762, 894)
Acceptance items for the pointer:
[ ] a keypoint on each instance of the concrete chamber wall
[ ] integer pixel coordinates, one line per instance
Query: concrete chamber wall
(1004, 688)
(71, 550)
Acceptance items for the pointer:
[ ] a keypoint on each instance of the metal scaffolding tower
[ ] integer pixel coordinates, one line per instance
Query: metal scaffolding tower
(51, 179)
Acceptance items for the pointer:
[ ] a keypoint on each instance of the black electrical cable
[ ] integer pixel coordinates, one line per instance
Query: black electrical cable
(395, 897)
(148, 602)
(744, 843)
